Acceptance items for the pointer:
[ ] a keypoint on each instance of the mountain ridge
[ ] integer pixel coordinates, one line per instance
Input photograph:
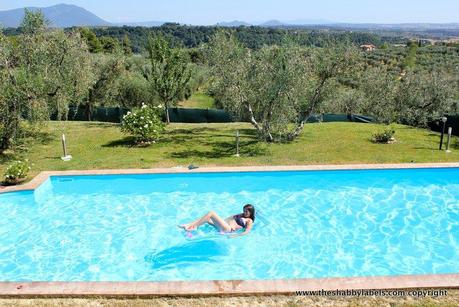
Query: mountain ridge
(69, 15)
(60, 15)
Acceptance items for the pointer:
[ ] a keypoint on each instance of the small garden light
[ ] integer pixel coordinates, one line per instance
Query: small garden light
(66, 157)
(443, 119)
(450, 131)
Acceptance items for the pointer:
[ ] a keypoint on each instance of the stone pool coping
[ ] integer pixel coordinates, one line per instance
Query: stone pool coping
(43, 176)
(223, 287)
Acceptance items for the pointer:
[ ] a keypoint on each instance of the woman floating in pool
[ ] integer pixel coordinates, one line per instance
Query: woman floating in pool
(230, 224)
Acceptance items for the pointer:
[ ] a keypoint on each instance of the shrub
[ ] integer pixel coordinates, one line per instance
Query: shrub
(16, 171)
(385, 137)
(133, 90)
(145, 124)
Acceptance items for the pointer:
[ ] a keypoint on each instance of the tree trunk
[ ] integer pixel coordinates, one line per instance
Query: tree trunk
(5, 142)
(8, 133)
(314, 102)
(167, 114)
(269, 138)
(253, 121)
(296, 132)
(298, 129)
(88, 111)
(267, 127)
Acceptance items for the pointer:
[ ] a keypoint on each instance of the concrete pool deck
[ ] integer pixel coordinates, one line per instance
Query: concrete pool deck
(223, 287)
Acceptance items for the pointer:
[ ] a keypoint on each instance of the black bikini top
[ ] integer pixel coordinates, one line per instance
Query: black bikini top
(239, 220)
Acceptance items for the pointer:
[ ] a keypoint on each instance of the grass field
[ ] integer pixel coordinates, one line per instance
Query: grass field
(102, 146)
(452, 299)
(198, 100)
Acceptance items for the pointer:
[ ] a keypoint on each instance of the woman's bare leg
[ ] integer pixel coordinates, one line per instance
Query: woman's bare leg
(195, 224)
(210, 217)
(220, 223)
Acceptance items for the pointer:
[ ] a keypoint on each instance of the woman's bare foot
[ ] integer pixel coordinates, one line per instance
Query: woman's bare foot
(187, 227)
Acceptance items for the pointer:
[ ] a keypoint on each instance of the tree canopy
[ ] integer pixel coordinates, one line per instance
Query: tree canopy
(169, 72)
(41, 73)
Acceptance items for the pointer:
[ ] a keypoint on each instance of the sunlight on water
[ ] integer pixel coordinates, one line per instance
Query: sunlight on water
(310, 224)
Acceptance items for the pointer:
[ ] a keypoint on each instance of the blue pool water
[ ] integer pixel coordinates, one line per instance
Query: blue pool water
(311, 224)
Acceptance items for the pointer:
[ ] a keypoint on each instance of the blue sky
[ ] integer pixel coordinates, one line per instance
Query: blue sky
(212, 11)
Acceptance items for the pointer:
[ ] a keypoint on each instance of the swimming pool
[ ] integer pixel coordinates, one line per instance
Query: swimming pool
(311, 224)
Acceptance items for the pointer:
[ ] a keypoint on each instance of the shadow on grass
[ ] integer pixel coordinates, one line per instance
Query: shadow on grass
(6, 158)
(41, 137)
(53, 158)
(100, 125)
(207, 132)
(128, 141)
(406, 128)
(455, 144)
(220, 143)
(223, 150)
(199, 130)
(426, 148)
(20, 149)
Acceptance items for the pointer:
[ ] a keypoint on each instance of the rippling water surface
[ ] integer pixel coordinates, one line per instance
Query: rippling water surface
(310, 224)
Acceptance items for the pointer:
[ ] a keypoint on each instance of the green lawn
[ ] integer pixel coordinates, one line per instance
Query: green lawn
(198, 100)
(266, 300)
(96, 145)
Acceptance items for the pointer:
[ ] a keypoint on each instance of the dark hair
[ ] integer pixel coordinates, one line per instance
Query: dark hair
(251, 210)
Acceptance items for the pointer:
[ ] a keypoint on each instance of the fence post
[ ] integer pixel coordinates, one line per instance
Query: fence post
(450, 131)
(237, 144)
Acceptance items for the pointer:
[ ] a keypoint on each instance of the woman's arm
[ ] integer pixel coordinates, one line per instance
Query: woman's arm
(246, 231)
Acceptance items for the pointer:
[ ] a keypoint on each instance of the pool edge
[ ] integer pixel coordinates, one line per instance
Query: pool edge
(43, 176)
(225, 287)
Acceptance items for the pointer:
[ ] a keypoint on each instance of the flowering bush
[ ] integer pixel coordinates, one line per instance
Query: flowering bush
(145, 123)
(16, 171)
(385, 137)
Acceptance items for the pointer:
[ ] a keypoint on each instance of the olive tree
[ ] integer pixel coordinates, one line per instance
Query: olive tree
(329, 68)
(40, 74)
(424, 96)
(169, 72)
(133, 89)
(277, 88)
(347, 100)
(379, 86)
(11, 102)
(412, 99)
(106, 72)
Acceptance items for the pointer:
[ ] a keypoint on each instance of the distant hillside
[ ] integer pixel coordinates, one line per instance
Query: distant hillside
(400, 26)
(234, 23)
(147, 24)
(61, 16)
(272, 23)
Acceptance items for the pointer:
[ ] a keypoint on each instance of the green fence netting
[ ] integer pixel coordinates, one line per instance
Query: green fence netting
(327, 118)
(452, 121)
(183, 115)
(100, 114)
